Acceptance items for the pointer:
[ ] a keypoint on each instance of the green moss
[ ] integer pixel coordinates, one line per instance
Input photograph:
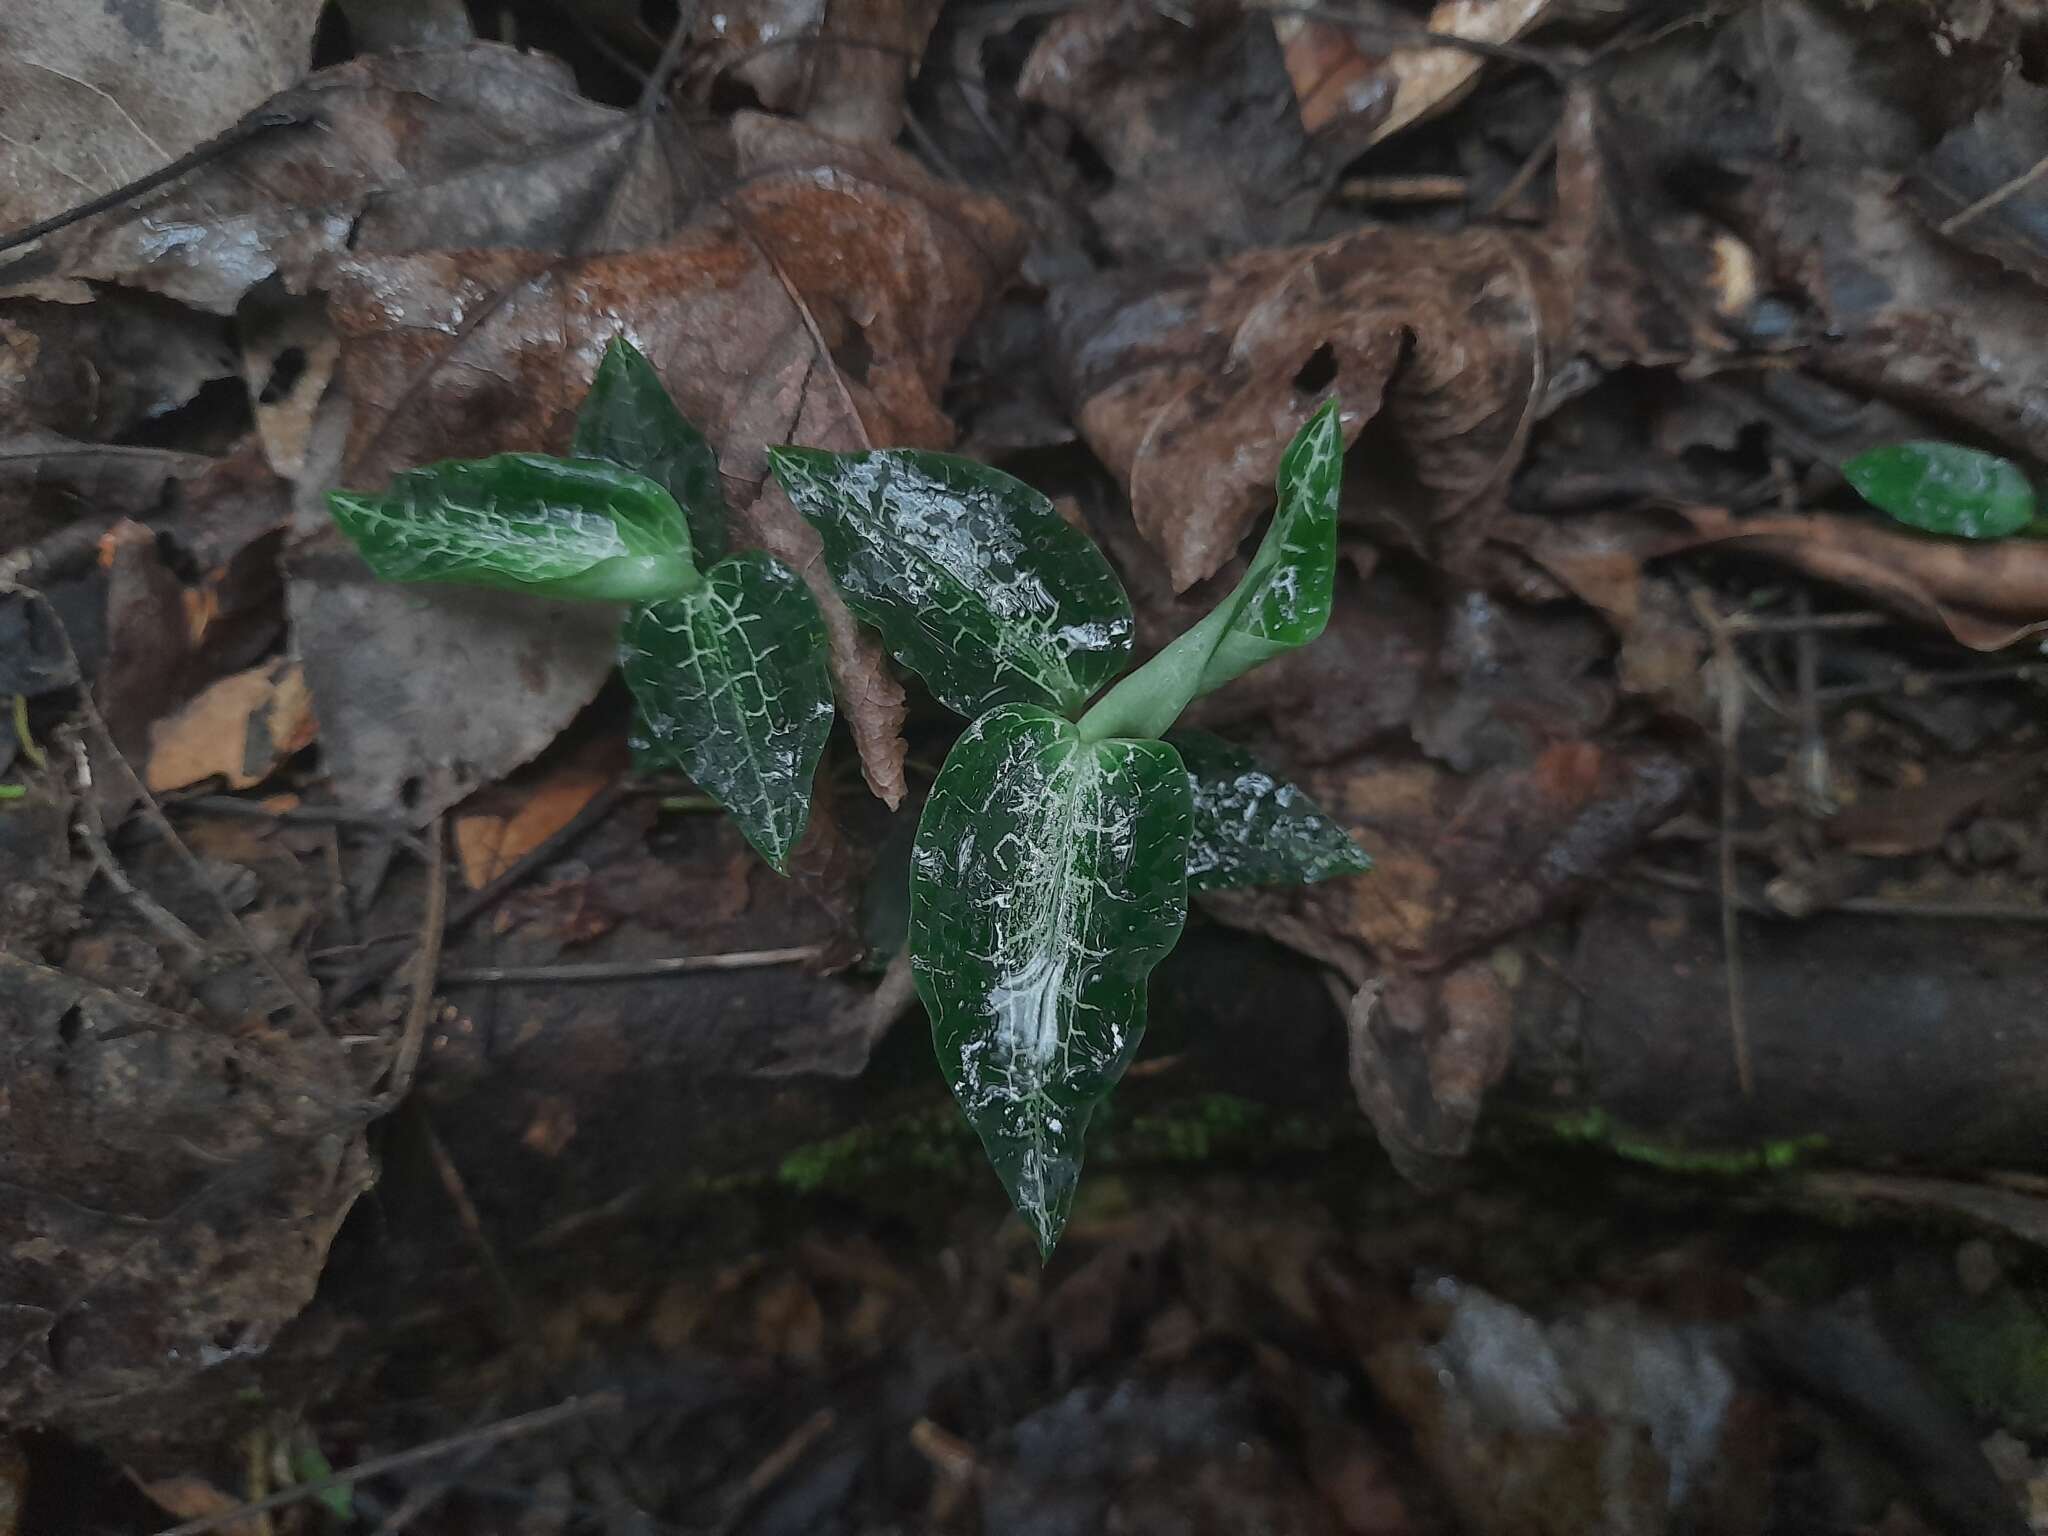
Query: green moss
(933, 1141)
(1595, 1127)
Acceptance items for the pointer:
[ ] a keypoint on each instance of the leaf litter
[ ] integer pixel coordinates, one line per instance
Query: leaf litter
(1631, 301)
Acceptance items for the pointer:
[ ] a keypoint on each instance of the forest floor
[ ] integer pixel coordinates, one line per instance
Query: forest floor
(1652, 1142)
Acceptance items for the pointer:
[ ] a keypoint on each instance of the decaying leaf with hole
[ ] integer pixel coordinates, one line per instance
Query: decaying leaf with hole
(820, 307)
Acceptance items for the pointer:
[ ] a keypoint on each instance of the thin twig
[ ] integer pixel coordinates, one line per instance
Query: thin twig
(519, 1425)
(1792, 623)
(1994, 197)
(260, 121)
(1525, 173)
(306, 815)
(1730, 694)
(433, 924)
(623, 970)
(308, 1009)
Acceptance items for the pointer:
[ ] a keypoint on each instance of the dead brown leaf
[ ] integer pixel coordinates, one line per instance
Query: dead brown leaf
(1191, 114)
(487, 843)
(1983, 185)
(473, 147)
(171, 1191)
(1424, 1050)
(241, 730)
(1459, 864)
(451, 354)
(191, 1497)
(1188, 385)
(98, 370)
(92, 97)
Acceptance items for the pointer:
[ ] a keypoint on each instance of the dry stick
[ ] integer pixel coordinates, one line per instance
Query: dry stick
(308, 1009)
(1854, 906)
(262, 120)
(1779, 623)
(1994, 197)
(622, 970)
(519, 1425)
(1525, 173)
(1731, 808)
(92, 833)
(433, 925)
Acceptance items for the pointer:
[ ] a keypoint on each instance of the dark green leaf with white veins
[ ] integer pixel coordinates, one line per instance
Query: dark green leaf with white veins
(629, 419)
(970, 576)
(731, 685)
(1048, 879)
(1251, 828)
(1945, 488)
(1282, 601)
(525, 522)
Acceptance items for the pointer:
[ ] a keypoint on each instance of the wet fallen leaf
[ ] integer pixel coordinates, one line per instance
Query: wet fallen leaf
(1343, 81)
(1424, 1050)
(1191, 116)
(241, 729)
(105, 95)
(172, 1190)
(471, 147)
(859, 251)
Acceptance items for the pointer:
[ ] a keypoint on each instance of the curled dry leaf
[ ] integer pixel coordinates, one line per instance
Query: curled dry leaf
(1189, 384)
(1189, 387)
(821, 309)
(1365, 91)
(1191, 112)
(95, 96)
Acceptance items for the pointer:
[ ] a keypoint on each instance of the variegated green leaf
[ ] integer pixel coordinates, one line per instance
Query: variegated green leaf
(525, 522)
(1945, 488)
(731, 685)
(1251, 828)
(1049, 877)
(1282, 601)
(970, 576)
(628, 419)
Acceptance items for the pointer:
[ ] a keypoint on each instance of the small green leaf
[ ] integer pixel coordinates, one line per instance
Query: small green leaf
(1282, 601)
(970, 576)
(524, 522)
(1049, 877)
(1253, 829)
(629, 419)
(1945, 488)
(731, 685)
